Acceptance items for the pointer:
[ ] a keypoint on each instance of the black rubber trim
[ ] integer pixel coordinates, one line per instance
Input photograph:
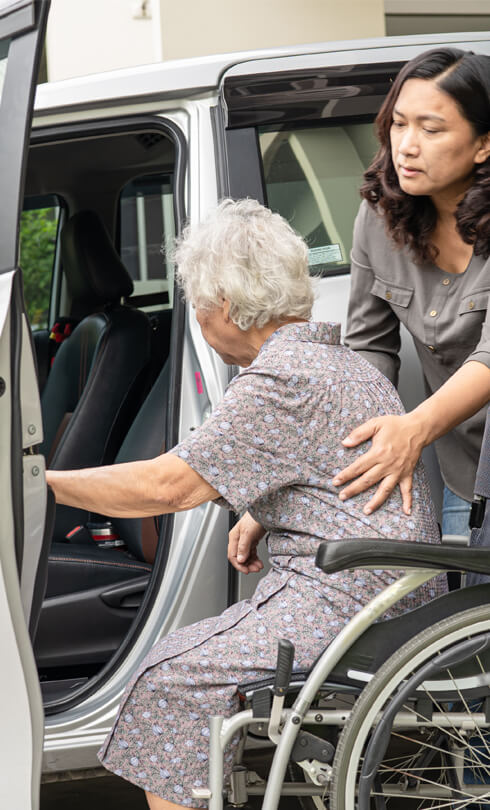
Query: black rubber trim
(98, 128)
(16, 310)
(220, 154)
(244, 165)
(338, 555)
(42, 567)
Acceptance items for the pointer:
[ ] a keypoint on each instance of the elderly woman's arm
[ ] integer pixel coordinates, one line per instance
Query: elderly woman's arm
(138, 489)
(397, 441)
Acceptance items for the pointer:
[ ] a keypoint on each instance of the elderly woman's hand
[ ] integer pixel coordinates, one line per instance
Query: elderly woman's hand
(242, 545)
(396, 447)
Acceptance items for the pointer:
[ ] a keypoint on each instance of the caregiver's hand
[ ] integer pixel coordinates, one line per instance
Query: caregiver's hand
(242, 545)
(397, 442)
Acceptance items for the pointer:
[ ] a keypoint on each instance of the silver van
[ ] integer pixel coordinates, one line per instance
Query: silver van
(101, 362)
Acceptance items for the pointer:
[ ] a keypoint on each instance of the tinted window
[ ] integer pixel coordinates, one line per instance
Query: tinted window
(147, 227)
(312, 178)
(39, 227)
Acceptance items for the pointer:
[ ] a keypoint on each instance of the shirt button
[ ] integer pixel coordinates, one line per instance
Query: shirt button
(446, 282)
(433, 313)
(388, 295)
(471, 305)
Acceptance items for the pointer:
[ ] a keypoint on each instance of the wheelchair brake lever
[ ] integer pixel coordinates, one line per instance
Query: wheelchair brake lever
(284, 667)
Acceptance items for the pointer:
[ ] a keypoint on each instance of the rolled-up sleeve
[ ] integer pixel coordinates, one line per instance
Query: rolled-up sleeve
(373, 329)
(242, 448)
(481, 352)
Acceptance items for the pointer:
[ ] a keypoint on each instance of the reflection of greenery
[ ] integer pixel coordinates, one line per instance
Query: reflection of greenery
(37, 245)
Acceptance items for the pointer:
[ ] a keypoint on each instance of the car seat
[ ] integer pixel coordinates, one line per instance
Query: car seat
(97, 379)
(93, 593)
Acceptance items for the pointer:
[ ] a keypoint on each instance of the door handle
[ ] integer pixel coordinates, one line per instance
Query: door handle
(127, 594)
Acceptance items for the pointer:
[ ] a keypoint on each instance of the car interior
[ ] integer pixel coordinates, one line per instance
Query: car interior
(99, 212)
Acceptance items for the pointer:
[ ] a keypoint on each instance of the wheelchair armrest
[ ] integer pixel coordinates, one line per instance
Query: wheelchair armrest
(338, 555)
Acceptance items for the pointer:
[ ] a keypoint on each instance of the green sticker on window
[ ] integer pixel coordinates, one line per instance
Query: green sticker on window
(326, 254)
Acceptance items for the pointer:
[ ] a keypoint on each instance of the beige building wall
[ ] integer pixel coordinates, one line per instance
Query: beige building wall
(190, 28)
(91, 36)
(97, 35)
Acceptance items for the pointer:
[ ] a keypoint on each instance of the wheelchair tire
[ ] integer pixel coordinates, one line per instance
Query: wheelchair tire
(435, 762)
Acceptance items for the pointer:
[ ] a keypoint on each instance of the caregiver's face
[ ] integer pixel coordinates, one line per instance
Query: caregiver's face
(434, 147)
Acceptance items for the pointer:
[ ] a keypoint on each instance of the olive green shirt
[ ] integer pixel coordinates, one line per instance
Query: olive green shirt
(447, 315)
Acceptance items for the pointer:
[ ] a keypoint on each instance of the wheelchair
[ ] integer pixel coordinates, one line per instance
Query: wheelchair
(394, 713)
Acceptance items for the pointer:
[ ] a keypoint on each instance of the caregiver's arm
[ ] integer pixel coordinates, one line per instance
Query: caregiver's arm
(397, 441)
(137, 489)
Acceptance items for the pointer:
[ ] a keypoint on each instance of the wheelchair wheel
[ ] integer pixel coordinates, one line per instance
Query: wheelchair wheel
(419, 735)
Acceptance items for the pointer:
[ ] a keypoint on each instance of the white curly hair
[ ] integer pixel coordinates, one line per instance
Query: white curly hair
(250, 256)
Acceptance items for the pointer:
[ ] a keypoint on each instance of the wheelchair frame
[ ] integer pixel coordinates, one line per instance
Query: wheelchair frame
(284, 724)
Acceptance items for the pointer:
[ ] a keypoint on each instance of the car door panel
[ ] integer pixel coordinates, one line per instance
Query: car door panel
(21, 27)
(22, 718)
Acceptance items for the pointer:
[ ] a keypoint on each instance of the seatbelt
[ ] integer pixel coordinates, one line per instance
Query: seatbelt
(59, 332)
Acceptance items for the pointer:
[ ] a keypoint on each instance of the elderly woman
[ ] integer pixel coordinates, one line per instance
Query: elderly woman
(272, 447)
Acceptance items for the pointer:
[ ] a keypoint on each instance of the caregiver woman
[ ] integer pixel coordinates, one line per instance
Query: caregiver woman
(420, 257)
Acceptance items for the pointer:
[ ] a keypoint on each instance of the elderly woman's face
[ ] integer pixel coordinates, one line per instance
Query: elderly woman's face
(224, 336)
(434, 148)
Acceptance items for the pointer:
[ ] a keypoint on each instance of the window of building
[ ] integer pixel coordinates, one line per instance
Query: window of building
(312, 178)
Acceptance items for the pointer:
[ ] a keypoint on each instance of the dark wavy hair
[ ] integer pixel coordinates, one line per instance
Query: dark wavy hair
(410, 220)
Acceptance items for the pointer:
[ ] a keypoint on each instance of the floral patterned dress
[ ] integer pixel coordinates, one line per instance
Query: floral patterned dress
(272, 446)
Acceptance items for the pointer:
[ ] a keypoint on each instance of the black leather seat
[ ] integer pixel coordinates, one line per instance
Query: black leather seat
(98, 375)
(93, 593)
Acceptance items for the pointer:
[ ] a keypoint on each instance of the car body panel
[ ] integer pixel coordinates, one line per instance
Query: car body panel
(184, 78)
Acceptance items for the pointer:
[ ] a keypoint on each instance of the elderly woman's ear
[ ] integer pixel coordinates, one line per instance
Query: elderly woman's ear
(226, 310)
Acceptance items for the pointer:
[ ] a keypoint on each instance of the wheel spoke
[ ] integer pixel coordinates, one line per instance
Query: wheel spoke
(468, 709)
(440, 757)
(459, 804)
(433, 723)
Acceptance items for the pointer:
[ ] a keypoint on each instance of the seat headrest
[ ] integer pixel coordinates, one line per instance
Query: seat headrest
(95, 274)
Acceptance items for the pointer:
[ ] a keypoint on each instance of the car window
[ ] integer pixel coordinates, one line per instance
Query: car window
(39, 228)
(312, 177)
(147, 231)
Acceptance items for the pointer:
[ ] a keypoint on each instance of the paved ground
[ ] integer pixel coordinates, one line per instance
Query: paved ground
(100, 793)
(108, 792)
